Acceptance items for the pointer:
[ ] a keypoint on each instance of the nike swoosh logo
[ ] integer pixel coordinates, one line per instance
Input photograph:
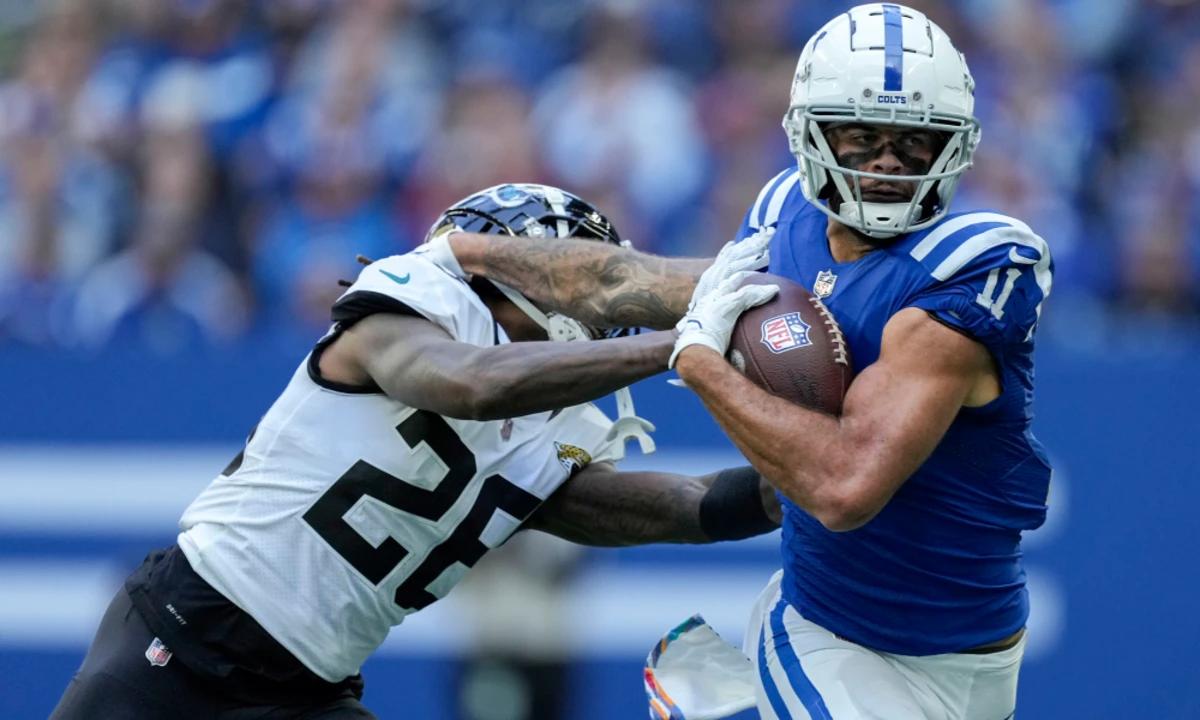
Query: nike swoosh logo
(1019, 258)
(401, 280)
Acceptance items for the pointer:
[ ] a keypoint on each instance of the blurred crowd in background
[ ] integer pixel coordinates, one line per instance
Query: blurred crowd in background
(183, 173)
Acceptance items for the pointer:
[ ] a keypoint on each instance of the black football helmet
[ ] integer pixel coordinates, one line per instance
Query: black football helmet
(534, 211)
(530, 210)
(544, 211)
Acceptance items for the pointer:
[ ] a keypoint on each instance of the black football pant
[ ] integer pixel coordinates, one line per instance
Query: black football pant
(117, 682)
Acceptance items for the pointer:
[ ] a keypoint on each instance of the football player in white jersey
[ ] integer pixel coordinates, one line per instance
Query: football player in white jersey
(425, 428)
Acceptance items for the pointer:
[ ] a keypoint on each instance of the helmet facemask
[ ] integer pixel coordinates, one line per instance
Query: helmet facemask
(842, 186)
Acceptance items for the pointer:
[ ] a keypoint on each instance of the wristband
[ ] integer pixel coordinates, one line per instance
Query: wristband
(732, 509)
(437, 249)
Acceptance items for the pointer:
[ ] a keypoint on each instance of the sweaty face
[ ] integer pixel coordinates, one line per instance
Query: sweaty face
(885, 150)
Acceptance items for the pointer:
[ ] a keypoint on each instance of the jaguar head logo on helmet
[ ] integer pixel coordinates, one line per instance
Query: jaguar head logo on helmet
(882, 79)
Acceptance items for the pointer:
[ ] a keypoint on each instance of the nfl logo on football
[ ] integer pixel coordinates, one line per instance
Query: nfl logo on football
(785, 332)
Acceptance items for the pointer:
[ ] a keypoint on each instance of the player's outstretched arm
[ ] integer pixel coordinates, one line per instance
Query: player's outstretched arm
(419, 364)
(844, 470)
(595, 283)
(602, 506)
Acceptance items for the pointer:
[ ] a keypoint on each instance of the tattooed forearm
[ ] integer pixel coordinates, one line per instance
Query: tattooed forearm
(595, 283)
(601, 507)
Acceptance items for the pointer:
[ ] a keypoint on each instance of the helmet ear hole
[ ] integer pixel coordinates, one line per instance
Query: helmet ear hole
(941, 140)
(828, 192)
(830, 195)
(931, 201)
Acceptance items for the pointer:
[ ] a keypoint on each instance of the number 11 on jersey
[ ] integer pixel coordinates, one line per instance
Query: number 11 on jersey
(985, 298)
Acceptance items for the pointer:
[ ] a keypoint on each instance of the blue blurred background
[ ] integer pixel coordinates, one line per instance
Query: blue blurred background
(183, 181)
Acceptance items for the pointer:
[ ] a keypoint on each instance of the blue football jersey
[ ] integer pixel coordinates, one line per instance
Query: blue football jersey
(939, 568)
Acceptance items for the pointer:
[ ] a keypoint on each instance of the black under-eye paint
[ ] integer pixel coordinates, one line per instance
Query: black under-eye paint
(912, 165)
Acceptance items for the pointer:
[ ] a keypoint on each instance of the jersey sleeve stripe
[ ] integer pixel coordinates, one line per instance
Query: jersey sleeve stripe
(952, 226)
(775, 207)
(1000, 237)
(983, 242)
(1044, 279)
(764, 194)
(955, 240)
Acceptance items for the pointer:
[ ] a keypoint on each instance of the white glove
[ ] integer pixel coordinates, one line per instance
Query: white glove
(438, 251)
(711, 319)
(749, 254)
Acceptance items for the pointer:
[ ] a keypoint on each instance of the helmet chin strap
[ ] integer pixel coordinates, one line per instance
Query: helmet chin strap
(886, 218)
(629, 425)
(561, 328)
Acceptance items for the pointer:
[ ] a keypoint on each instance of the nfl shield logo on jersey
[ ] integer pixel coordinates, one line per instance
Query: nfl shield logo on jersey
(785, 332)
(157, 653)
(823, 287)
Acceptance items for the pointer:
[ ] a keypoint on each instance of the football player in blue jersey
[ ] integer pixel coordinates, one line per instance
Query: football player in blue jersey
(902, 593)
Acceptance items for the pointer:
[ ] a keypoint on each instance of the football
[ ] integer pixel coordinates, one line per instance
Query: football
(792, 347)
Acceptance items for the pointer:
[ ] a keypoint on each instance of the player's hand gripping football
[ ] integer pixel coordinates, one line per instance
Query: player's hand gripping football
(712, 316)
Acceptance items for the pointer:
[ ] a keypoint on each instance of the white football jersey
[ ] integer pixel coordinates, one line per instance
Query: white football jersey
(348, 510)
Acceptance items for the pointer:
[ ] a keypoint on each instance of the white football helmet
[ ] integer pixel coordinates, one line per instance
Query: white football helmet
(882, 64)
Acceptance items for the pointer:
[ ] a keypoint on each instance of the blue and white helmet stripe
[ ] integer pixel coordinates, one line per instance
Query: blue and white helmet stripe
(893, 49)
